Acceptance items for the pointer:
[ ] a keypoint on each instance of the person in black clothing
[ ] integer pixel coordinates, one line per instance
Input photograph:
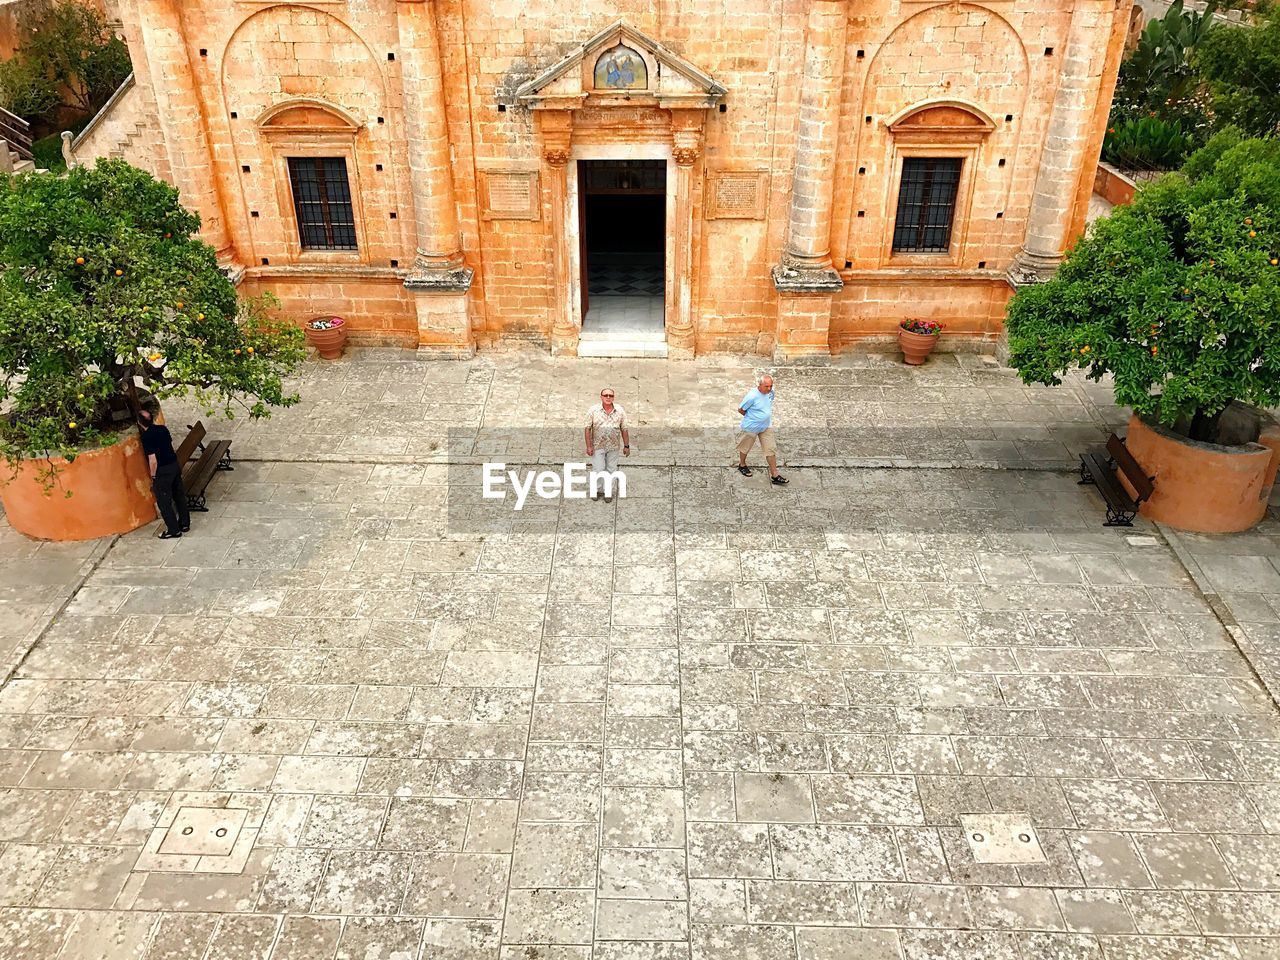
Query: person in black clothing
(166, 475)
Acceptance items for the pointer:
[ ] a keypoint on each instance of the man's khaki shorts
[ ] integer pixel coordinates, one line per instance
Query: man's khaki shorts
(767, 442)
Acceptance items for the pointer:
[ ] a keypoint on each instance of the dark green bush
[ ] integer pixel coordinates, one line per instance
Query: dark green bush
(1176, 296)
(1148, 143)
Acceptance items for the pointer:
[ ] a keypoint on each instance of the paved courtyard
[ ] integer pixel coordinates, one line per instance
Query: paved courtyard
(358, 713)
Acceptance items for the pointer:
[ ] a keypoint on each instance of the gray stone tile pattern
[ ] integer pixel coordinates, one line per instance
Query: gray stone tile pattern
(713, 720)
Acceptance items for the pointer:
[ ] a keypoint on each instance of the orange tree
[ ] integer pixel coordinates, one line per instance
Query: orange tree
(1176, 296)
(105, 292)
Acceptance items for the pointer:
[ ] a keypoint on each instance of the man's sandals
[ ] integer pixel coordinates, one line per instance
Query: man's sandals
(779, 480)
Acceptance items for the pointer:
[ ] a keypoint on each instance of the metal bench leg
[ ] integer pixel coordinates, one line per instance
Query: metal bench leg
(1118, 518)
(1085, 475)
(225, 462)
(197, 503)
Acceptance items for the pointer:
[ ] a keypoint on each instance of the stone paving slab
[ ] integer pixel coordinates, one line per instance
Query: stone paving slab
(866, 410)
(716, 719)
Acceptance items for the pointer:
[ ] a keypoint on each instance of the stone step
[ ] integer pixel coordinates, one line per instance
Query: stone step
(623, 349)
(652, 335)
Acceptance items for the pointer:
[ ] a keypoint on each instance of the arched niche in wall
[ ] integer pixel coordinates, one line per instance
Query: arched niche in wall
(307, 131)
(934, 157)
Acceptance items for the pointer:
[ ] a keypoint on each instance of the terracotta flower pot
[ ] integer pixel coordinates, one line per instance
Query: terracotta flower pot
(916, 346)
(110, 493)
(328, 343)
(1206, 487)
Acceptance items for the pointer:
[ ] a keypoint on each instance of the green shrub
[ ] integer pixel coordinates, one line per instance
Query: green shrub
(1148, 143)
(48, 153)
(1156, 78)
(1241, 66)
(1177, 296)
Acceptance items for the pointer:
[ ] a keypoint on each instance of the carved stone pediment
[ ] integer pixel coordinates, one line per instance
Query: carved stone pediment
(620, 65)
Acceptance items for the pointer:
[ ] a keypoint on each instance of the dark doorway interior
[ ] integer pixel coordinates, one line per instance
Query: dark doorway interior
(624, 204)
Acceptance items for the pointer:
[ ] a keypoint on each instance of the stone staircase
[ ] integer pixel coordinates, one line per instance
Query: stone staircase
(620, 347)
(122, 149)
(11, 161)
(15, 144)
(124, 129)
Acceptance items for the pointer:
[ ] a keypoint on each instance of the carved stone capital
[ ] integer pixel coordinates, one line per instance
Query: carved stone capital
(685, 156)
(439, 280)
(791, 279)
(556, 156)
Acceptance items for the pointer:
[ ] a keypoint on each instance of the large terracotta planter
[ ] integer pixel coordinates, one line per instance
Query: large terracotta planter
(916, 346)
(328, 343)
(1205, 487)
(110, 493)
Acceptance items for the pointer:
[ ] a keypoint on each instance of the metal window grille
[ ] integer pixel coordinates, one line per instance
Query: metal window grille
(322, 202)
(926, 204)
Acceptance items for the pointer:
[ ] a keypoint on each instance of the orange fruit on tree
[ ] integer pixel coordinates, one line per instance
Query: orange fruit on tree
(119, 273)
(199, 316)
(79, 261)
(179, 304)
(1248, 221)
(1253, 233)
(72, 425)
(251, 349)
(1084, 349)
(1154, 351)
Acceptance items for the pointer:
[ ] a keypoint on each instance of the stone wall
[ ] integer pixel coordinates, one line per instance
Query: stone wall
(126, 128)
(996, 67)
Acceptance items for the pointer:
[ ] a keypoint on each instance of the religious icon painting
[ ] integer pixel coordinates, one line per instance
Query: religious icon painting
(621, 68)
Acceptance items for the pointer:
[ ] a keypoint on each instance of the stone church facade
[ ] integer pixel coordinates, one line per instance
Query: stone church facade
(796, 175)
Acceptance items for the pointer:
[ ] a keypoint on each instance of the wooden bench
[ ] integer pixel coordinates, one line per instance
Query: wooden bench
(1098, 466)
(196, 474)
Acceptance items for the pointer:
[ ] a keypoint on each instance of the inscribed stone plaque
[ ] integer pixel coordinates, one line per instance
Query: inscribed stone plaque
(510, 194)
(736, 194)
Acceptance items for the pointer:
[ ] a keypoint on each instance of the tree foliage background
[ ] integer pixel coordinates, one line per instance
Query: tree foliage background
(1177, 296)
(1190, 74)
(67, 59)
(1242, 70)
(106, 291)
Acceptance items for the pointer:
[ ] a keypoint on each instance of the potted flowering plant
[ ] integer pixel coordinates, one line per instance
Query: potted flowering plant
(328, 335)
(917, 338)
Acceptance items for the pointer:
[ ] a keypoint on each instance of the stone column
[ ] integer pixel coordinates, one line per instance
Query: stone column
(1049, 222)
(182, 124)
(686, 138)
(805, 280)
(439, 280)
(557, 138)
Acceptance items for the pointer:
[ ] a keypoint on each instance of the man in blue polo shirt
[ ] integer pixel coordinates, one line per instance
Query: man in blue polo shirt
(757, 424)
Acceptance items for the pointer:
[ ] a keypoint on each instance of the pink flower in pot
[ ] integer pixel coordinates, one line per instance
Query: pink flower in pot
(917, 338)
